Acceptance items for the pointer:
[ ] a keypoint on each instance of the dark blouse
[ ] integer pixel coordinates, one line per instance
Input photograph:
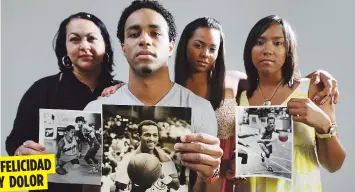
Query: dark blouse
(51, 93)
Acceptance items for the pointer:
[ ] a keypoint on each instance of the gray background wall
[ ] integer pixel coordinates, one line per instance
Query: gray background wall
(325, 32)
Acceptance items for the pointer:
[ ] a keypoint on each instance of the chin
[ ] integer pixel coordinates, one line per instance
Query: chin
(151, 148)
(146, 69)
(265, 72)
(201, 68)
(88, 67)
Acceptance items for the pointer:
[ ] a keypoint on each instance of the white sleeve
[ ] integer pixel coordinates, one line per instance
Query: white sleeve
(169, 168)
(232, 79)
(204, 118)
(94, 106)
(121, 172)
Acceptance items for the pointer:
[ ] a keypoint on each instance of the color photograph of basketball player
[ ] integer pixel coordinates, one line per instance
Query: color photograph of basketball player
(138, 147)
(265, 142)
(75, 140)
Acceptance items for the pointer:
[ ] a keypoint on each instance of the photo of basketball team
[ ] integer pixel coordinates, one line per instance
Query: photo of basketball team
(264, 142)
(138, 153)
(75, 139)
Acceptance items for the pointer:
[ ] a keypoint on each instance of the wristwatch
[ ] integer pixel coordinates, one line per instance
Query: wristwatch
(332, 132)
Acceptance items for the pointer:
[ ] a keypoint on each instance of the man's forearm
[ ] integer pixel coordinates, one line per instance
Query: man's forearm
(245, 135)
(241, 143)
(199, 186)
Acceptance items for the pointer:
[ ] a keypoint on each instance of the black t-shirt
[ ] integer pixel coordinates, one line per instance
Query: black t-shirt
(51, 93)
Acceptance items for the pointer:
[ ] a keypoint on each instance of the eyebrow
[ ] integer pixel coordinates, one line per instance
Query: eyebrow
(213, 45)
(274, 37)
(137, 27)
(76, 34)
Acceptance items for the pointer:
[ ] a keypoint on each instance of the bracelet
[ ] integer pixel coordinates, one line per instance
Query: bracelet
(212, 178)
(331, 133)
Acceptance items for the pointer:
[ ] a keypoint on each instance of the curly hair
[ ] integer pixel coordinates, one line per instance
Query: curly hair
(146, 4)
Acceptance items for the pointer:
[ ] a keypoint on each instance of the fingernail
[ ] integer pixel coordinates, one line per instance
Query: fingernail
(183, 138)
(177, 146)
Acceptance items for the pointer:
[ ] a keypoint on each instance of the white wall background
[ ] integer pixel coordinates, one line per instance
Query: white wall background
(325, 30)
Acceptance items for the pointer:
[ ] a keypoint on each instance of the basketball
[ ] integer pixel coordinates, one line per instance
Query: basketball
(61, 171)
(283, 136)
(144, 169)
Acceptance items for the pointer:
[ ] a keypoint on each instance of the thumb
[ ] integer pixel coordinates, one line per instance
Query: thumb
(316, 78)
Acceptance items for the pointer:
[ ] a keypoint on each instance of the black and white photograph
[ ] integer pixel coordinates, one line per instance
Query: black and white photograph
(264, 142)
(138, 148)
(75, 138)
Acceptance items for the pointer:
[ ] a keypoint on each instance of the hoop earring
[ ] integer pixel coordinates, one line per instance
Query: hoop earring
(290, 83)
(212, 71)
(65, 62)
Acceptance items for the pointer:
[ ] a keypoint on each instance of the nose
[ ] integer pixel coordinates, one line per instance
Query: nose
(204, 53)
(268, 49)
(145, 39)
(84, 45)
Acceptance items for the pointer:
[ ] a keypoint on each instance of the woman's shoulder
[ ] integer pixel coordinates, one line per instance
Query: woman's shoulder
(236, 75)
(48, 79)
(303, 86)
(43, 83)
(232, 80)
(37, 91)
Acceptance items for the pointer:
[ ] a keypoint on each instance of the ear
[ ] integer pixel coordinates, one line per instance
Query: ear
(171, 48)
(123, 49)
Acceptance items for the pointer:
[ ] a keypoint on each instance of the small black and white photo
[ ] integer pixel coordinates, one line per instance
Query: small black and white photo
(264, 142)
(75, 139)
(138, 148)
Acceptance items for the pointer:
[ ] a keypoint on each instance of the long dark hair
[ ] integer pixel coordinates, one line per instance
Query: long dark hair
(290, 70)
(59, 42)
(183, 69)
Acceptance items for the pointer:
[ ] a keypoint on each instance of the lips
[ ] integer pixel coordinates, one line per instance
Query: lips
(267, 61)
(145, 53)
(202, 63)
(86, 56)
(151, 144)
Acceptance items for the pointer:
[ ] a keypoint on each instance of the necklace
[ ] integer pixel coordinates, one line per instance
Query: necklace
(268, 101)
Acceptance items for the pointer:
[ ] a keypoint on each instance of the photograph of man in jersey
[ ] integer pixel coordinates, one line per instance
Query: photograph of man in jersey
(88, 134)
(68, 150)
(138, 148)
(265, 142)
(75, 139)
